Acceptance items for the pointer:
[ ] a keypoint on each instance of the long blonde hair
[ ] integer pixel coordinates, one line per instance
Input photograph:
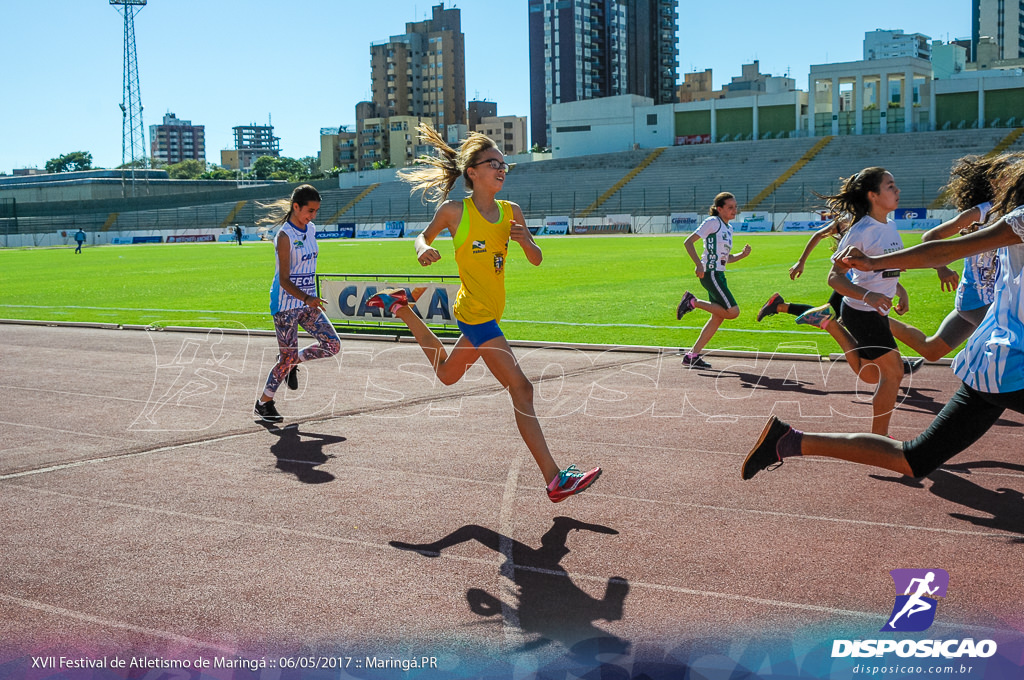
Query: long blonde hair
(436, 174)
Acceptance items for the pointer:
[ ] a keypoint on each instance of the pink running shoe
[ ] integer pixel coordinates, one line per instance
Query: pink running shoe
(571, 481)
(389, 299)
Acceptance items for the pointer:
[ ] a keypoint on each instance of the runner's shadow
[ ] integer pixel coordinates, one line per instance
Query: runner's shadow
(300, 453)
(1002, 509)
(550, 606)
(787, 384)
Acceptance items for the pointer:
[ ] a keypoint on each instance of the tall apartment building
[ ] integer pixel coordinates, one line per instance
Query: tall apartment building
(251, 142)
(585, 49)
(175, 140)
(422, 72)
(1002, 20)
(652, 59)
(338, 149)
(386, 139)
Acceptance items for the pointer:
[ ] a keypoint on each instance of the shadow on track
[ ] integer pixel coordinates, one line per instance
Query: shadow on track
(299, 453)
(551, 607)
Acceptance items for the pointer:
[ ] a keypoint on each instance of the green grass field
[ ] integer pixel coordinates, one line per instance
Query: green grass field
(607, 290)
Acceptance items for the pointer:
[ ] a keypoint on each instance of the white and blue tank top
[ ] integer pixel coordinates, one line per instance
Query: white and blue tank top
(302, 272)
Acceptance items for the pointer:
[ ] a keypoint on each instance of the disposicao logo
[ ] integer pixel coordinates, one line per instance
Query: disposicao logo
(914, 611)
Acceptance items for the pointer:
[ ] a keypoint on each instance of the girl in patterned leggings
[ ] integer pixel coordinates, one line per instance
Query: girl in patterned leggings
(293, 298)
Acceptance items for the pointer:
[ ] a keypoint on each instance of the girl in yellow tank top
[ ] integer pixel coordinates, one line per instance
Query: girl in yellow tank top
(481, 248)
(481, 228)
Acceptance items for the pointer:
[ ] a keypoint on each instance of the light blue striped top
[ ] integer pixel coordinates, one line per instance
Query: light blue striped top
(993, 359)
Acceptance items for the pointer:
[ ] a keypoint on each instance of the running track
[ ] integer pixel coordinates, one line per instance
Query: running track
(145, 514)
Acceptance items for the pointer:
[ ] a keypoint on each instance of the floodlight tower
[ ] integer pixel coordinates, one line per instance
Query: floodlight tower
(133, 136)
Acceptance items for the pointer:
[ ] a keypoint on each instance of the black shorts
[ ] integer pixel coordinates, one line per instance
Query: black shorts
(870, 330)
(836, 302)
(968, 415)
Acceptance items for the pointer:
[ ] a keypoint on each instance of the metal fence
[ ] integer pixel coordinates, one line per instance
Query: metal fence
(535, 205)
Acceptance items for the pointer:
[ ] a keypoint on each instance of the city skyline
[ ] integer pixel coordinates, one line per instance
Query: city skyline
(310, 73)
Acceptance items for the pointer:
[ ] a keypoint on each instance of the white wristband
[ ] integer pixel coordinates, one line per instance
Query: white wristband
(864, 298)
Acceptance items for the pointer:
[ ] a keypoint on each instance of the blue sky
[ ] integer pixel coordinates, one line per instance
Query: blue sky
(209, 61)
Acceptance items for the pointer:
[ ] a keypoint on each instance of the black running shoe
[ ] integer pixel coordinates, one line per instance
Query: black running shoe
(764, 455)
(293, 378)
(695, 362)
(267, 412)
(771, 307)
(910, 366)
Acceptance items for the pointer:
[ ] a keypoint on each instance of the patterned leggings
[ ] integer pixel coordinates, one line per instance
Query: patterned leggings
(286, 324)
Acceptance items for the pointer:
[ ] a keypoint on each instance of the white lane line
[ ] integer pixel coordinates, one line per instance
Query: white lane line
(111, 623)
(784, 604)
(812, 518)
(121, 456)
(77, 433)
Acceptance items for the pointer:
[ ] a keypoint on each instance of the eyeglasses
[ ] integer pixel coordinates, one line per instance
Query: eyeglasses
(495, 164)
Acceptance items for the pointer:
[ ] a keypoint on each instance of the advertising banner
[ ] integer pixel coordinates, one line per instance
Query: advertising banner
(909, 214)
(614, 224)
(917, 224)
(801, 225)
(347, 298)
(758, 225)
(392, 229)
(344, 230)
(686, 140)
(558, 226)
(147, 239)
(685, 222)
(192, 238)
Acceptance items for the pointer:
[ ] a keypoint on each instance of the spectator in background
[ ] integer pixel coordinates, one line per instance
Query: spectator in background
(79, 239)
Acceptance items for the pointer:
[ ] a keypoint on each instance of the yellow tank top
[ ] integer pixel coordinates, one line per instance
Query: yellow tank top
(480, 251)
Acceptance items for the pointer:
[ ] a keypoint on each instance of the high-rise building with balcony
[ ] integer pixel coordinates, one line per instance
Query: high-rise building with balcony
(585, 49)
(176, 140)
(422, 73)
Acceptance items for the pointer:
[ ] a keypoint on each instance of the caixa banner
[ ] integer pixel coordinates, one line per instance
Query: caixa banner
(346, 296)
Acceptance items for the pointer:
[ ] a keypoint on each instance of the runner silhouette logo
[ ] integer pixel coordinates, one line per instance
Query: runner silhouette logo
(916, 593)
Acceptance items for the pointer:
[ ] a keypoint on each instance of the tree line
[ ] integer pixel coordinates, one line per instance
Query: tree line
(263, 168)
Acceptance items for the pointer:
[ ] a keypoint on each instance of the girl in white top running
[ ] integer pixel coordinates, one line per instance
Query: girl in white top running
(991, 365)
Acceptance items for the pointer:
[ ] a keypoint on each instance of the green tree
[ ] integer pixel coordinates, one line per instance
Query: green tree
(217, 172)
(271, 167)
(188, 169)
(70, 162)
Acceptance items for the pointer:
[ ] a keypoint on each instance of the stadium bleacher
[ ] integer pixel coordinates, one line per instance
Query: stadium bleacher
(681, 179)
